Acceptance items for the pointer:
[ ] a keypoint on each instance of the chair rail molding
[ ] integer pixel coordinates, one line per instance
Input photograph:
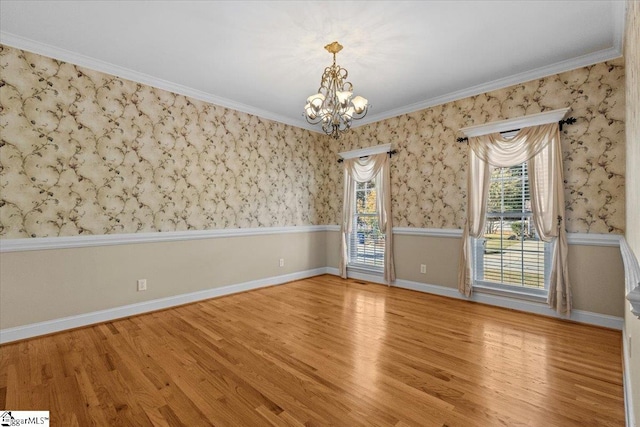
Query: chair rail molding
(631, 276)
(583, 239)
(42, 243)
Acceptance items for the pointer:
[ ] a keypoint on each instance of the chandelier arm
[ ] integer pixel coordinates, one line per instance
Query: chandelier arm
(361, 115)
(314, 121)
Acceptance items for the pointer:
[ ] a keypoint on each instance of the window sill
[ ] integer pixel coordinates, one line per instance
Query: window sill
(515, 293)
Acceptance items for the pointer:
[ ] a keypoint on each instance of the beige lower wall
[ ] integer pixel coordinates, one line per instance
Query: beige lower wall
(596, 272)
(333, 249)
(440, 254)
(597, 279)
(37, 286)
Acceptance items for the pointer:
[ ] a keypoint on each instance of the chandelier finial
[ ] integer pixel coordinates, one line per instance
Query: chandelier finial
(334, 48)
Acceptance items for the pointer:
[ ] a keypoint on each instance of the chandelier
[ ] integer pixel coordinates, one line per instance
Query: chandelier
(333, 105)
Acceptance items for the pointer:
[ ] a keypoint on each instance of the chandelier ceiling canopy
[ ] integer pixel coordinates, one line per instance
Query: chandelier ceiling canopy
(334, 105)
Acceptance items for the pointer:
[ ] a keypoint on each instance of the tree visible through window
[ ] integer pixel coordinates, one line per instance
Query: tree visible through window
(366, 243)
(510, 252)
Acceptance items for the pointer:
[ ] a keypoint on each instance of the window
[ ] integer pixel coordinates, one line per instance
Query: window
(510, 254)
(366, 242)
(515, 260)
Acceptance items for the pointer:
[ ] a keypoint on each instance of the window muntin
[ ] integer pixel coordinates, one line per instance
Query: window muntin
(510, 254)
(366, 242)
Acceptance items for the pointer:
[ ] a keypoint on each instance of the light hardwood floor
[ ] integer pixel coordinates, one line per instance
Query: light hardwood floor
(317, 352)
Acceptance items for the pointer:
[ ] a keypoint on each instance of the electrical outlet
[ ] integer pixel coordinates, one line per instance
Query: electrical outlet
(423, 268)
(281, 262)
(142, 285)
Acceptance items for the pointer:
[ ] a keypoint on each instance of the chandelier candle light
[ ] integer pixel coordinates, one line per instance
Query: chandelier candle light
(333, 104)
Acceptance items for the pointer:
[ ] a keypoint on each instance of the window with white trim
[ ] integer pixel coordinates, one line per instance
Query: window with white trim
(366, 242)
(510, 255)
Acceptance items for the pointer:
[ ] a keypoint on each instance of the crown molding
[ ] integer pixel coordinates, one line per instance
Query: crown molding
(538, 73)
(102, 66)
(619, 23)
(138, 77)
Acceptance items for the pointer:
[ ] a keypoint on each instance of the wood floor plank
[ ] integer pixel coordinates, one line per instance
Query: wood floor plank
(322, 351)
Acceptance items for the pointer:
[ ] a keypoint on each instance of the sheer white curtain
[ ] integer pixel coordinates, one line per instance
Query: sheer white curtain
(540, 147)
(373, 167)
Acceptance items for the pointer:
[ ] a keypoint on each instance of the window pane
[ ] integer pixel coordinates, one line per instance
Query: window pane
(366, 197)
(366, 243)
(509, 190)
(512, 252)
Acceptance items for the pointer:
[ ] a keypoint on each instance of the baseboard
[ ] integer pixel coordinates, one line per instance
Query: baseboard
(71, 322)
(581, 316)
(80, 320)
(626, 381)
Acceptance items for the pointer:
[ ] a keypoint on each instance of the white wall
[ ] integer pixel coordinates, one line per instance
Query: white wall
(632, 64)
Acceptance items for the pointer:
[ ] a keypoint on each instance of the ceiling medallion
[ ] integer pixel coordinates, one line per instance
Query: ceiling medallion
(333, 105)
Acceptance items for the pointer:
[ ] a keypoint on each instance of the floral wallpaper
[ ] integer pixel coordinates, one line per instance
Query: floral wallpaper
(429, 172)
(83, 152)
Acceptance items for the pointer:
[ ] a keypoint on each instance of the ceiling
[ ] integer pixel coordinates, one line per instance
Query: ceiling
(266, 57)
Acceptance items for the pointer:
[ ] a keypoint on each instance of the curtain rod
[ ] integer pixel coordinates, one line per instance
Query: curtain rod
(391, 153)
(567, 121)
